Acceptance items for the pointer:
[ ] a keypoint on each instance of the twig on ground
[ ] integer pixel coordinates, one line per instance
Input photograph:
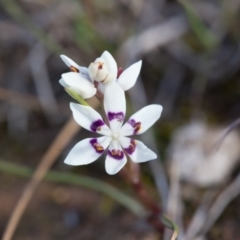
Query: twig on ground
(228, 130)
(37, 59)
(200, 215)
(175, 205)
(227, 195)
(27, 101)
(63, 138)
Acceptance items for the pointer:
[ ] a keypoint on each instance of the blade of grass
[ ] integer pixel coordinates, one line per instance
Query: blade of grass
(205, 36)
(78, 180)
(171, 225)
(15, 11)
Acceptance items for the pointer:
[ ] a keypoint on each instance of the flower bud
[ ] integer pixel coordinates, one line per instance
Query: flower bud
(98, 71)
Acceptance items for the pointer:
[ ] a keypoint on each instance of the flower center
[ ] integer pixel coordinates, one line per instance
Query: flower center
(115, 136)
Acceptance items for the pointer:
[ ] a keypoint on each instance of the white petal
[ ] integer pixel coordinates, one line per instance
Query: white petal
(111, 63)
(142, 120)
(62, 82)
(129, 146)
(129, 76)
(115, 105)
(144, 154)
(89, 119)
(69, 62)
(136, 150)
(115, 159)
(87, 151)
(79, 84)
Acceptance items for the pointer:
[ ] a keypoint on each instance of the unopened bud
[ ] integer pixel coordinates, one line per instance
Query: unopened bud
(98, 71)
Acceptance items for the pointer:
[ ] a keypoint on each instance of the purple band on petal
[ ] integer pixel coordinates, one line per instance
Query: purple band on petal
(96, 126)
(135, 125)
(116, 115)
(131, 148)
(116, 154)
(131, 122)
(96, 145)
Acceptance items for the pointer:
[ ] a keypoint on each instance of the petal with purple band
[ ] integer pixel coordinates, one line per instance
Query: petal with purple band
(142, 120)
(129, 146)
(128, 77)
(89, 119)
(87, 151)
(100, 144)
(116, 115)
(115, 150)
(115, 105)
(96, 126)
(116, 154)
(115, 159)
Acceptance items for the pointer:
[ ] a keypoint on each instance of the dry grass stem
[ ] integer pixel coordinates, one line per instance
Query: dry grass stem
(63, 138)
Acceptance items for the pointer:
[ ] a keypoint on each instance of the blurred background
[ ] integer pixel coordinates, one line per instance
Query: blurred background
(191, 66)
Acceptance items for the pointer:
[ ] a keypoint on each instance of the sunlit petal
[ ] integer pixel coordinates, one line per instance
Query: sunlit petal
(89, 119)
(142, 120)
(115, 105)
(129, 146)
(144, 154)
(70, 63)
(87, 151)
(111, 63)
(129, 76)
(62, 82)
(79, 84)
(115, 159)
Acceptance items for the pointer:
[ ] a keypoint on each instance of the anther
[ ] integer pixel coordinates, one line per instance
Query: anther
(137, 127)
(73, 69)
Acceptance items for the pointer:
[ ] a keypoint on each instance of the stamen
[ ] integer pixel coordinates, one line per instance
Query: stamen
(97, 146)
(137, 127)
(74, 69)
(116, 154)
(96, 126)
(131, 148)
(100, 65)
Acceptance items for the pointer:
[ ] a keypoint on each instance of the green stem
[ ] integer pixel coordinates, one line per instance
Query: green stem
(76, 96)
(83, 181)
(171, 225)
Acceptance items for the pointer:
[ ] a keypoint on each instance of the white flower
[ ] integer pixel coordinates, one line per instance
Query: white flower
(77, 80)
(103, 70)
(115, 137)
